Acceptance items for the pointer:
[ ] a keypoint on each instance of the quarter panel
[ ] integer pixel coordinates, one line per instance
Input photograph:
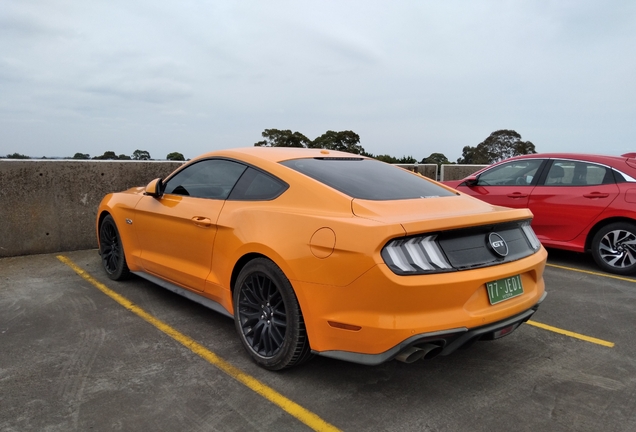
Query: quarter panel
(284, 235)
(561, 213)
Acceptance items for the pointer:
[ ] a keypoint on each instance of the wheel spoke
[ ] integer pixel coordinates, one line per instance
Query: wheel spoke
(267, 342)
(278, 332)
(257, 334)
(277, 302)
(248, 300)
(112, 261)
(249, 318)
(622, 236)
(628, 257)
(606, 246)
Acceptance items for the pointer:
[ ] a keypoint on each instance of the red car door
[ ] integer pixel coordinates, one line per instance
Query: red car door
(572, 195)
(509, 184)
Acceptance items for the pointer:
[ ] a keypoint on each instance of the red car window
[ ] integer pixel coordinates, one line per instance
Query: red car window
(577, 173)
(519, 172)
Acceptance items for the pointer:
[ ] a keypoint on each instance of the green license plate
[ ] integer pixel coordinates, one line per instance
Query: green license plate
(504, 289)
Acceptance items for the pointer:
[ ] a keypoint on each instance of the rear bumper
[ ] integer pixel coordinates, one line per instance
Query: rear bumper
(448, 340)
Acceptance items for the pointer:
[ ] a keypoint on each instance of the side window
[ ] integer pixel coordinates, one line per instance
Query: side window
(255, 185)
(520, 172)
(212, 178)
(574, 173)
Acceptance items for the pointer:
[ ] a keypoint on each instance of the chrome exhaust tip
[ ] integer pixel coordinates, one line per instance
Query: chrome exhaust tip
(412, 354)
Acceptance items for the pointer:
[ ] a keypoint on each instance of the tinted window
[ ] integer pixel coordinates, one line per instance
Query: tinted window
(367, 179)
(575, 173)
(520, 172)
(213, 178)
(256, 185)
(618, 177)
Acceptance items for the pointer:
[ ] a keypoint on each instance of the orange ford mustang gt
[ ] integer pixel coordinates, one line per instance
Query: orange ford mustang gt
(322, 252)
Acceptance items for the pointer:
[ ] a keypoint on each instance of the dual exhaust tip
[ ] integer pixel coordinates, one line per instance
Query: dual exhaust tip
(413, 353)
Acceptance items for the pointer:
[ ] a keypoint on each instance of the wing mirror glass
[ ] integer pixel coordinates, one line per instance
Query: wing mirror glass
(154, 188)
(471, 181)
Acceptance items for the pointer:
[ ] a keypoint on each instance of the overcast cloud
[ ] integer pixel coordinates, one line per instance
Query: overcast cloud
(410, 77)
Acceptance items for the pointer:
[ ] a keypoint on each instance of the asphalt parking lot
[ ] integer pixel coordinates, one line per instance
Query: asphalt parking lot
(87, 353)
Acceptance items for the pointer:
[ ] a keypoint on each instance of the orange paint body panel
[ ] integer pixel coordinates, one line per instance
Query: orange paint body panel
(392, 312)
(329, 245)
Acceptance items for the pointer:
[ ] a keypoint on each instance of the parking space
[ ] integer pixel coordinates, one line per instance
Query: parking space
(72, 358)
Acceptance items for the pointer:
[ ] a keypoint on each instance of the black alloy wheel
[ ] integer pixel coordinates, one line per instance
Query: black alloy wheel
(614, 248)
(112, 250)
(267, 316)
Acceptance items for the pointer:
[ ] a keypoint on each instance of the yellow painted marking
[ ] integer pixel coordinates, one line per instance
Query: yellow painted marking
(593, 273)
(571, 334)
(287, 405)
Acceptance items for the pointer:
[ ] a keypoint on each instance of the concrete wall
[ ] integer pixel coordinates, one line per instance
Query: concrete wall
(427, 170)
(50, 206)
(447, 172)
(458, 172)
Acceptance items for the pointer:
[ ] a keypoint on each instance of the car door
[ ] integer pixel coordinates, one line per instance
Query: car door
(176, 231)
(508, 184)
(569, 198)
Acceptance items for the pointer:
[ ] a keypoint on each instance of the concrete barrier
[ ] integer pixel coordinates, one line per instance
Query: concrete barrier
(50, 206)
(458, 172)
(427, 170)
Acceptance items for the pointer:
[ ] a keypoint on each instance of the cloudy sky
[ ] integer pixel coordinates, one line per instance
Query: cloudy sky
(410, 77)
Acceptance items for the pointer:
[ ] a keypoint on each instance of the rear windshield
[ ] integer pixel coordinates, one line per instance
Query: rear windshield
(367, 178)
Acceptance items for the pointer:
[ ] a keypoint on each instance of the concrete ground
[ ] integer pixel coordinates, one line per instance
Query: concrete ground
(71, 358)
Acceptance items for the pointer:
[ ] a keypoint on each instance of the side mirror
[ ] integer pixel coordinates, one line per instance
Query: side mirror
(154, 188)
(471, 181)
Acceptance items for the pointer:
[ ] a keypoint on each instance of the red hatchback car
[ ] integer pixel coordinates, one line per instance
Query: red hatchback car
(580, 202)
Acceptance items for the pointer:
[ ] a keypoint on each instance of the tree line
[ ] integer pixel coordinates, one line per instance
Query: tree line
(499, 145)
(346, 141)
(108, 155)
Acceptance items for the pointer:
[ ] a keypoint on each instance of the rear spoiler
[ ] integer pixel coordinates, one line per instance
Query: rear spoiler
(630, 159)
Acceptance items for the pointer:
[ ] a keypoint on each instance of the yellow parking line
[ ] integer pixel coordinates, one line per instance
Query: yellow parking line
(571, 334)
(593, 273)
(287, 405)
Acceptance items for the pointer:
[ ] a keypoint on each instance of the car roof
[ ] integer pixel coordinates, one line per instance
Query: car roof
(626, 162)
(277, 154)
(608, 160)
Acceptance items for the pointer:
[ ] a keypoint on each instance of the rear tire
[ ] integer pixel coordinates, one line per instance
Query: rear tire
(268, 318)
(112, 250)
(614, 248)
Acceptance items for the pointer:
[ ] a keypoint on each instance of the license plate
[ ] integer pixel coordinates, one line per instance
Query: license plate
(504, 289)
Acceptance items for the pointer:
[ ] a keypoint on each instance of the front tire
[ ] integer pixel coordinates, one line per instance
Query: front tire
(268, 318)
(112, 250)
(614, 248)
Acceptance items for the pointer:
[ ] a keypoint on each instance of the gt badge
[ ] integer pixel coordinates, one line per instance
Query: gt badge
(498, 244)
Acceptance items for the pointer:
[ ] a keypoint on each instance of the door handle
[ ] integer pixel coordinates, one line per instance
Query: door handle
(517, 195)
(202, 221)
(596, 195)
